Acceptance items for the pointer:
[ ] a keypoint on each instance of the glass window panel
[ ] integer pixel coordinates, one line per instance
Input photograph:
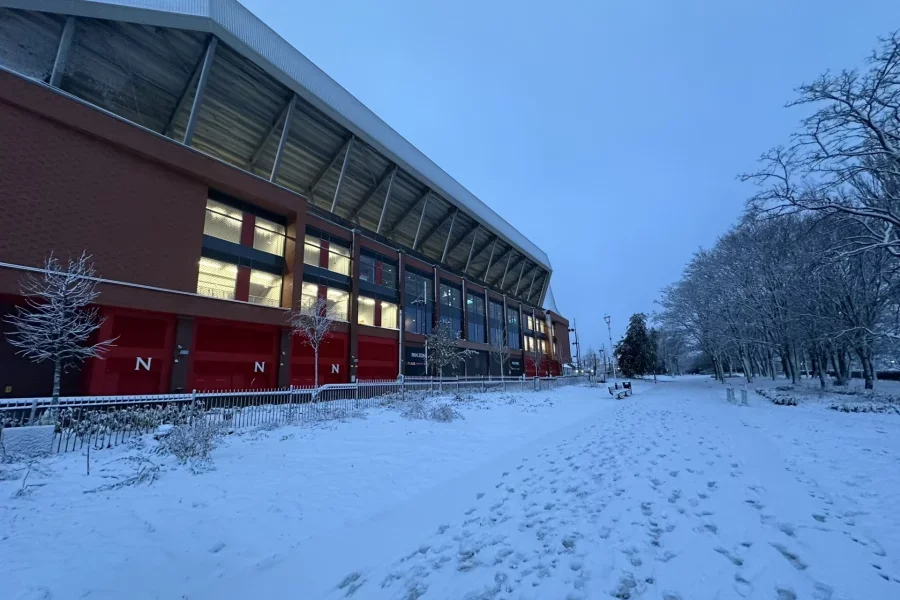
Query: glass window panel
(216, 279)
(308, 295)
(311, 249)
(389, 276)
(265, 288)
(223, 222)
(339, 259)
(367, 269)
(388, 315)
(366, 311)
(268, 237)
(338, 303)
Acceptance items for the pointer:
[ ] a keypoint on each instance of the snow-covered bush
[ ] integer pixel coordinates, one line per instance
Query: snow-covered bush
(778, 397)
(866, 407)
(444, 413)
(415, 408)
(193, 442)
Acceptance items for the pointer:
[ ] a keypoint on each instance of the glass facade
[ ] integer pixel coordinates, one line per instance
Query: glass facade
(217, 279)
(337, 258)
(419, 301)
(475, 318)
(366, 311)
(338, 301)
(265, 288)
(388, 315)
(495, 323)
(223, 222)
(451, 307)
(377, 272)
(512, 329)
(268, 237)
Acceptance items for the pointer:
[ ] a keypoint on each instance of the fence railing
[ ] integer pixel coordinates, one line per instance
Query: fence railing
(107, 421)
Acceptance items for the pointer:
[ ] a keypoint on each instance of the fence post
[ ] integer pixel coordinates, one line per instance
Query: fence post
(403, 388)
(483, 387)
(356, 393)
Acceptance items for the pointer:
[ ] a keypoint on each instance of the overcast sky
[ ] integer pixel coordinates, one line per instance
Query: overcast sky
(609, 133)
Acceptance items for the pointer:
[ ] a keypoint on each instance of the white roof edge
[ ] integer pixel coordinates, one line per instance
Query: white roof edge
(246, 33)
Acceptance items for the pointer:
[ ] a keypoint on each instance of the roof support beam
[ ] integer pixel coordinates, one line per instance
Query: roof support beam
(62, 52)
(483, 247)
(490, 258)
(504, 254)
(406, 212)
(449, 233)
(182, 99)
(387, 198)
(388, 173)
(447, 215)
(471, 249)
(331, 162)
(506, 270)
(463, 238)
(270, 133)
(421, 218)
(544, 287)
(340, 181)
(531, 287)
(285, 132)
(519, 282)
(201, 87)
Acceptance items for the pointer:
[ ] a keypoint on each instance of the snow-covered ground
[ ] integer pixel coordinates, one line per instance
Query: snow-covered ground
(670, 494)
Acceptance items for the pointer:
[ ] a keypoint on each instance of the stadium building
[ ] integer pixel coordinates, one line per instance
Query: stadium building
(218, 177)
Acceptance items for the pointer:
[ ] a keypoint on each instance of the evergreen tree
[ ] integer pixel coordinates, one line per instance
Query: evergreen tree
(635, 353)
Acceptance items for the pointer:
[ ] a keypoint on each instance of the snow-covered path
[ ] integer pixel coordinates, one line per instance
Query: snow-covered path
(672, 495)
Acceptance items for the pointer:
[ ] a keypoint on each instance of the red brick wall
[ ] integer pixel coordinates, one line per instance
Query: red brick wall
(65, 191)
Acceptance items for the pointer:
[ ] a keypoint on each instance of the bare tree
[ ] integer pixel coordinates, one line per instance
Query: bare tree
(501, 354)
(56, 322)
(312, 324)
(442, 349)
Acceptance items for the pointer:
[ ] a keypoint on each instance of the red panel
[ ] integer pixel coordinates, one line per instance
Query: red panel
(377, 358)
(529, 366)
(140, 361)
(242, 284)
(232, 355)
(333, 355)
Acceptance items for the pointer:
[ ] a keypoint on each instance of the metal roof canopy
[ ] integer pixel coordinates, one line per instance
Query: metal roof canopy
(244, 34)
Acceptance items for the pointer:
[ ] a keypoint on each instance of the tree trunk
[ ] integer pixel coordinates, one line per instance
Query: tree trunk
(865, 361)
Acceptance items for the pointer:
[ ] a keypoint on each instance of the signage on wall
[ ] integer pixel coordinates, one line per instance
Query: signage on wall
(335, 369)
(142, 363)
(515, 366)
(259, 367)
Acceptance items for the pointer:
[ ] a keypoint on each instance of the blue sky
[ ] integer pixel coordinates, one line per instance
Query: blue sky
(610, 134)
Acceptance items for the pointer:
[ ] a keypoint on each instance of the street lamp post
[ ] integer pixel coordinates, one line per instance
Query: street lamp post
(607, 318)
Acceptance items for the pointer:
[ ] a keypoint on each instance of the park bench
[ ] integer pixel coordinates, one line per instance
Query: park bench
(619, 393)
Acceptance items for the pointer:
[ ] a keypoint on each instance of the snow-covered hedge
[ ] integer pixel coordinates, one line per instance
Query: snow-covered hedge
(778, 397)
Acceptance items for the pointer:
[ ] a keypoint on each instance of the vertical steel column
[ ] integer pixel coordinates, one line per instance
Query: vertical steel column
(201, 87)
(387, 198)
(401, 288)
(340, 181)
(62, 52)
(449, 234)
(285, 132)
(421, 218)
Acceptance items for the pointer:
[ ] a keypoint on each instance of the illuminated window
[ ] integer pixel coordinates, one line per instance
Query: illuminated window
(388, 315)
(366, 313)
(308, 295)
(418, 312)
(223, 222)
(216, 279)
(512, 332)
(339, 259)
(265, 288)
(268, 237)
(338, 303)
(311, 249)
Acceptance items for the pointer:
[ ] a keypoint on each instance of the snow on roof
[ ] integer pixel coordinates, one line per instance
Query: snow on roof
(550, 301)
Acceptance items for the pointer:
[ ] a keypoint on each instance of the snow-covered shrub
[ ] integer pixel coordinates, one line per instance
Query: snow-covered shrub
(194, 442)
(415, 408)
(778, 397)
(865, 407)
(784, 388)
(463, 397)
(444, 413)
(28, 442)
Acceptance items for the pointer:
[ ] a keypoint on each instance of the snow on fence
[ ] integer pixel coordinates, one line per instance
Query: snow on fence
(107, 421)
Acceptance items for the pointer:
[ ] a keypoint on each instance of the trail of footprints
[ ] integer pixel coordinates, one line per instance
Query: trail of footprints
(556, 518)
